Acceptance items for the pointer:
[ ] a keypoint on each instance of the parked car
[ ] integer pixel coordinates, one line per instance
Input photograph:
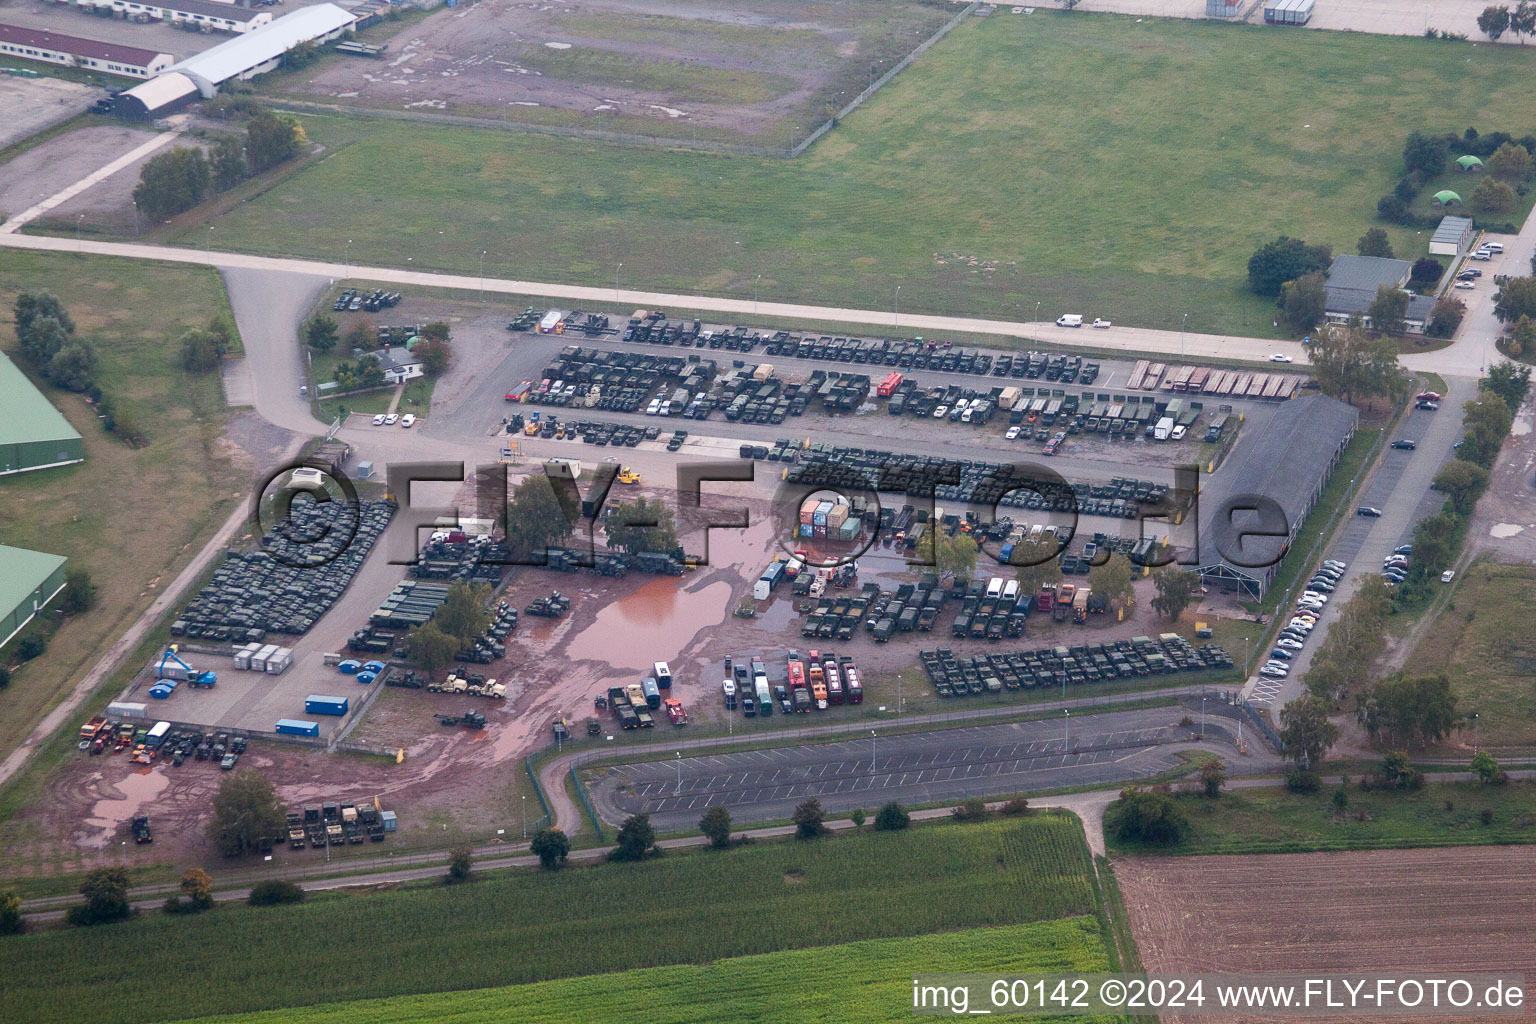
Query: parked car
(1282, 654)
(1281, 357)
(391, 419)
(408, 421)
(1493, 246)
(1013, 432)
(1289, 643)
(1465, 285)
(378, 420)
(1101, 323)
(1448, 575)
(1427, 405)
(1404, 445)
(1273, 673)
(1368, 510)
(1403, 549)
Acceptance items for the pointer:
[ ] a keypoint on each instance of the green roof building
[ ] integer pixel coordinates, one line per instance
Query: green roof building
(28, 580)
(33, 434)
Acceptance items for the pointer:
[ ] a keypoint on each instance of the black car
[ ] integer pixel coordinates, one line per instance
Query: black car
(1369, 511)
(1406, 446)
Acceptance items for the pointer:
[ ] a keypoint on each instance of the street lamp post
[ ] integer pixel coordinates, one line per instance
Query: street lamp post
(1182, 324)
(346, 254)
(755, 285)
(482, 271)
(1037, 315)
(1202, 715)
(872, 761)
(525, 815)
(208, 243)
(678, 790)
(898, 305)
(616, 281)
(1067, 733)
(78, 246)
(898, 695)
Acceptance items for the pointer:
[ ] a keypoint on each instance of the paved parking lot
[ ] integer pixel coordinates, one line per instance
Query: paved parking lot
(951, 764)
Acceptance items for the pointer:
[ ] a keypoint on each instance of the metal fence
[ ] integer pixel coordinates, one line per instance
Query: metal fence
(538, 791)
(581, 793)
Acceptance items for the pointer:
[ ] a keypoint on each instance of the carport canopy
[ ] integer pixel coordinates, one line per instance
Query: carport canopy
(1445, 197)
(1468, 162)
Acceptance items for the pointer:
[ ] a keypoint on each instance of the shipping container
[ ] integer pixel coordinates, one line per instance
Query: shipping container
(297, 727)
(127, 709)
(315, 704)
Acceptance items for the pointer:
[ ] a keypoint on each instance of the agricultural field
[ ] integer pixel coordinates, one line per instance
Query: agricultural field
(512, 929)
(1483, 642)
(130, 516)
(743, 73)
(1050, 196)
(1314, 912)
(1272, 820)
(854, 983)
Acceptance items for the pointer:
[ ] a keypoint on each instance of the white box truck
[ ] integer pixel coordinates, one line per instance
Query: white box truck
(1163, 428)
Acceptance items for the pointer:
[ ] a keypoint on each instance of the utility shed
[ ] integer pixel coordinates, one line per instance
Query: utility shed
(28, 580)
(1453, 237)
(33, 434)
(1289, 462)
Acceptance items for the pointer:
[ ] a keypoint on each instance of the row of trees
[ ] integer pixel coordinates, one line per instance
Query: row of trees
(1351, 362)
(458, 621)
(1425, 157)
(1499, 19)
(177, 180)
(1408, 710)
(203, 348)
(48, 342)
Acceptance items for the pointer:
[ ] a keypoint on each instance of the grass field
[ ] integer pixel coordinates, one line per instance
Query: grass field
(979, 182)
(1272, 820)
(853, 983)
(1483, 642)
(516, 928)
(131, 517)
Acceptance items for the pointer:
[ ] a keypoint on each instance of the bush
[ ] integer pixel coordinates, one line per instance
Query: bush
(1015, 808)
(460, 860)
(808, 819)
(79, 592)
(1299, 780)
(636, 839)
(11, 921)
(275, 893)
(551, 846)
(892, 817)
(1487, 816)
(31, 646)
(106, 898)
(857, 817)
(5, 677)
(974, 809)
(716, 824)
(1147, 816)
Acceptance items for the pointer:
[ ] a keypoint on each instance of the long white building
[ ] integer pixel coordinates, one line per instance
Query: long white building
(77, 52)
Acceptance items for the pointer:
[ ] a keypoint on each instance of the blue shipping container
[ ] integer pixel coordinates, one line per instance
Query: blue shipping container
(805, 529)
(316, 704)
(296, 727)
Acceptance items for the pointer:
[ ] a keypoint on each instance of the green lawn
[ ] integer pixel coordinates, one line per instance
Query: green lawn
(515, 928)
(1483, 641)
(1084, 162)
(132, 517)
(852, 983)
(1272, 820)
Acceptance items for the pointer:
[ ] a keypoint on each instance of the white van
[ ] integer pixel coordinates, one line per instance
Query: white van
(1070, 320)
(1011, 590)
(995, 587)
(663, 673)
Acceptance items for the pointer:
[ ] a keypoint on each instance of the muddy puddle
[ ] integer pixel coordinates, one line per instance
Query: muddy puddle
(654, 623)
(137, 789)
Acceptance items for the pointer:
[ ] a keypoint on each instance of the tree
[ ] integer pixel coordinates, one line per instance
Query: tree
(1412, 710)
(1522, 20)
(1306, 731)
(430, 650)
(1350, 363)
(1509, 381)
(1446, 316)
(892, 818)
(437, 330)
(1113, 581)
(45, 338)
(275, 892)
(1483, 765)
(716, 824)
(79, 592)
(320, 333)
(636, 839)
(1425, 154)
(972, 809)
(199, 351)
(641, 525)
(534, 519)
(1213, 775)
(227, 163)
(362, 335)
(1374, 243)
(463, 614)
(172, 182)
(106, 898)
(857, 817)
(1493, 195)
(73, 367)
(5, 677)
(435, 355)
(1463, 483)
(1069, 5)
(1038, 563)
(1146, 816)
(32, 306)
(1305, 299)
(460, 860)
(1486, 424)
(31, 646)
(1388, 310)
(1494, 21)
(246, 810)
(1426, 271)
(1514, 299)
(1175, 591)
(270, 140)
(956, 556)
(197, 889)
(551, 846)
(1284, 259)
(1394, 209)
(11, 921)
(1511, 161)
(809, 819)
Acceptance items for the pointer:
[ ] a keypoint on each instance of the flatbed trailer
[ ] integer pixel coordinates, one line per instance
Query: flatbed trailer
(1138, 374)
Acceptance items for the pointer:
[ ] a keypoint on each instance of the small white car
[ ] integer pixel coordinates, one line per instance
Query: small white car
(1289, 644)
(941, 412)
(1101, 323)
(306, 479)
(407, 421)
(1013, 432)
(1465, 285)
(1493, 246)
(1272, 672)
(1448, 575)
(1281, 357)
(391, 419)
(654, 407)
(378, 420)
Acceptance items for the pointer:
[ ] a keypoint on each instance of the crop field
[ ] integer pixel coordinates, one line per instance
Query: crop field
(129, 516)
(1272, 820)
(853, 983)
(980, 183)
(751, 73)
(1483, 642)
(512, 929)
(1407, 913)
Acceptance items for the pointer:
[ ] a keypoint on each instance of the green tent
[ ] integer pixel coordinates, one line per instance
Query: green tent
(1468, 162)
(1445, 197)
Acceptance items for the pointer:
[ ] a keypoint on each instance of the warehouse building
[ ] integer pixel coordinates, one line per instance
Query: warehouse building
(260, 51)
(76, 52)
(1453, 237)
(161, 96)
(28, 581)
(1352, 285)
(1289, 462)
(203, 15)
(33, 434)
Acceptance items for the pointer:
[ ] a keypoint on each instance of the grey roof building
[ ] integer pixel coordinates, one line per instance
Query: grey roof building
(1352, 285)
(1453, 237)
(1289, 464)
(33, 434)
